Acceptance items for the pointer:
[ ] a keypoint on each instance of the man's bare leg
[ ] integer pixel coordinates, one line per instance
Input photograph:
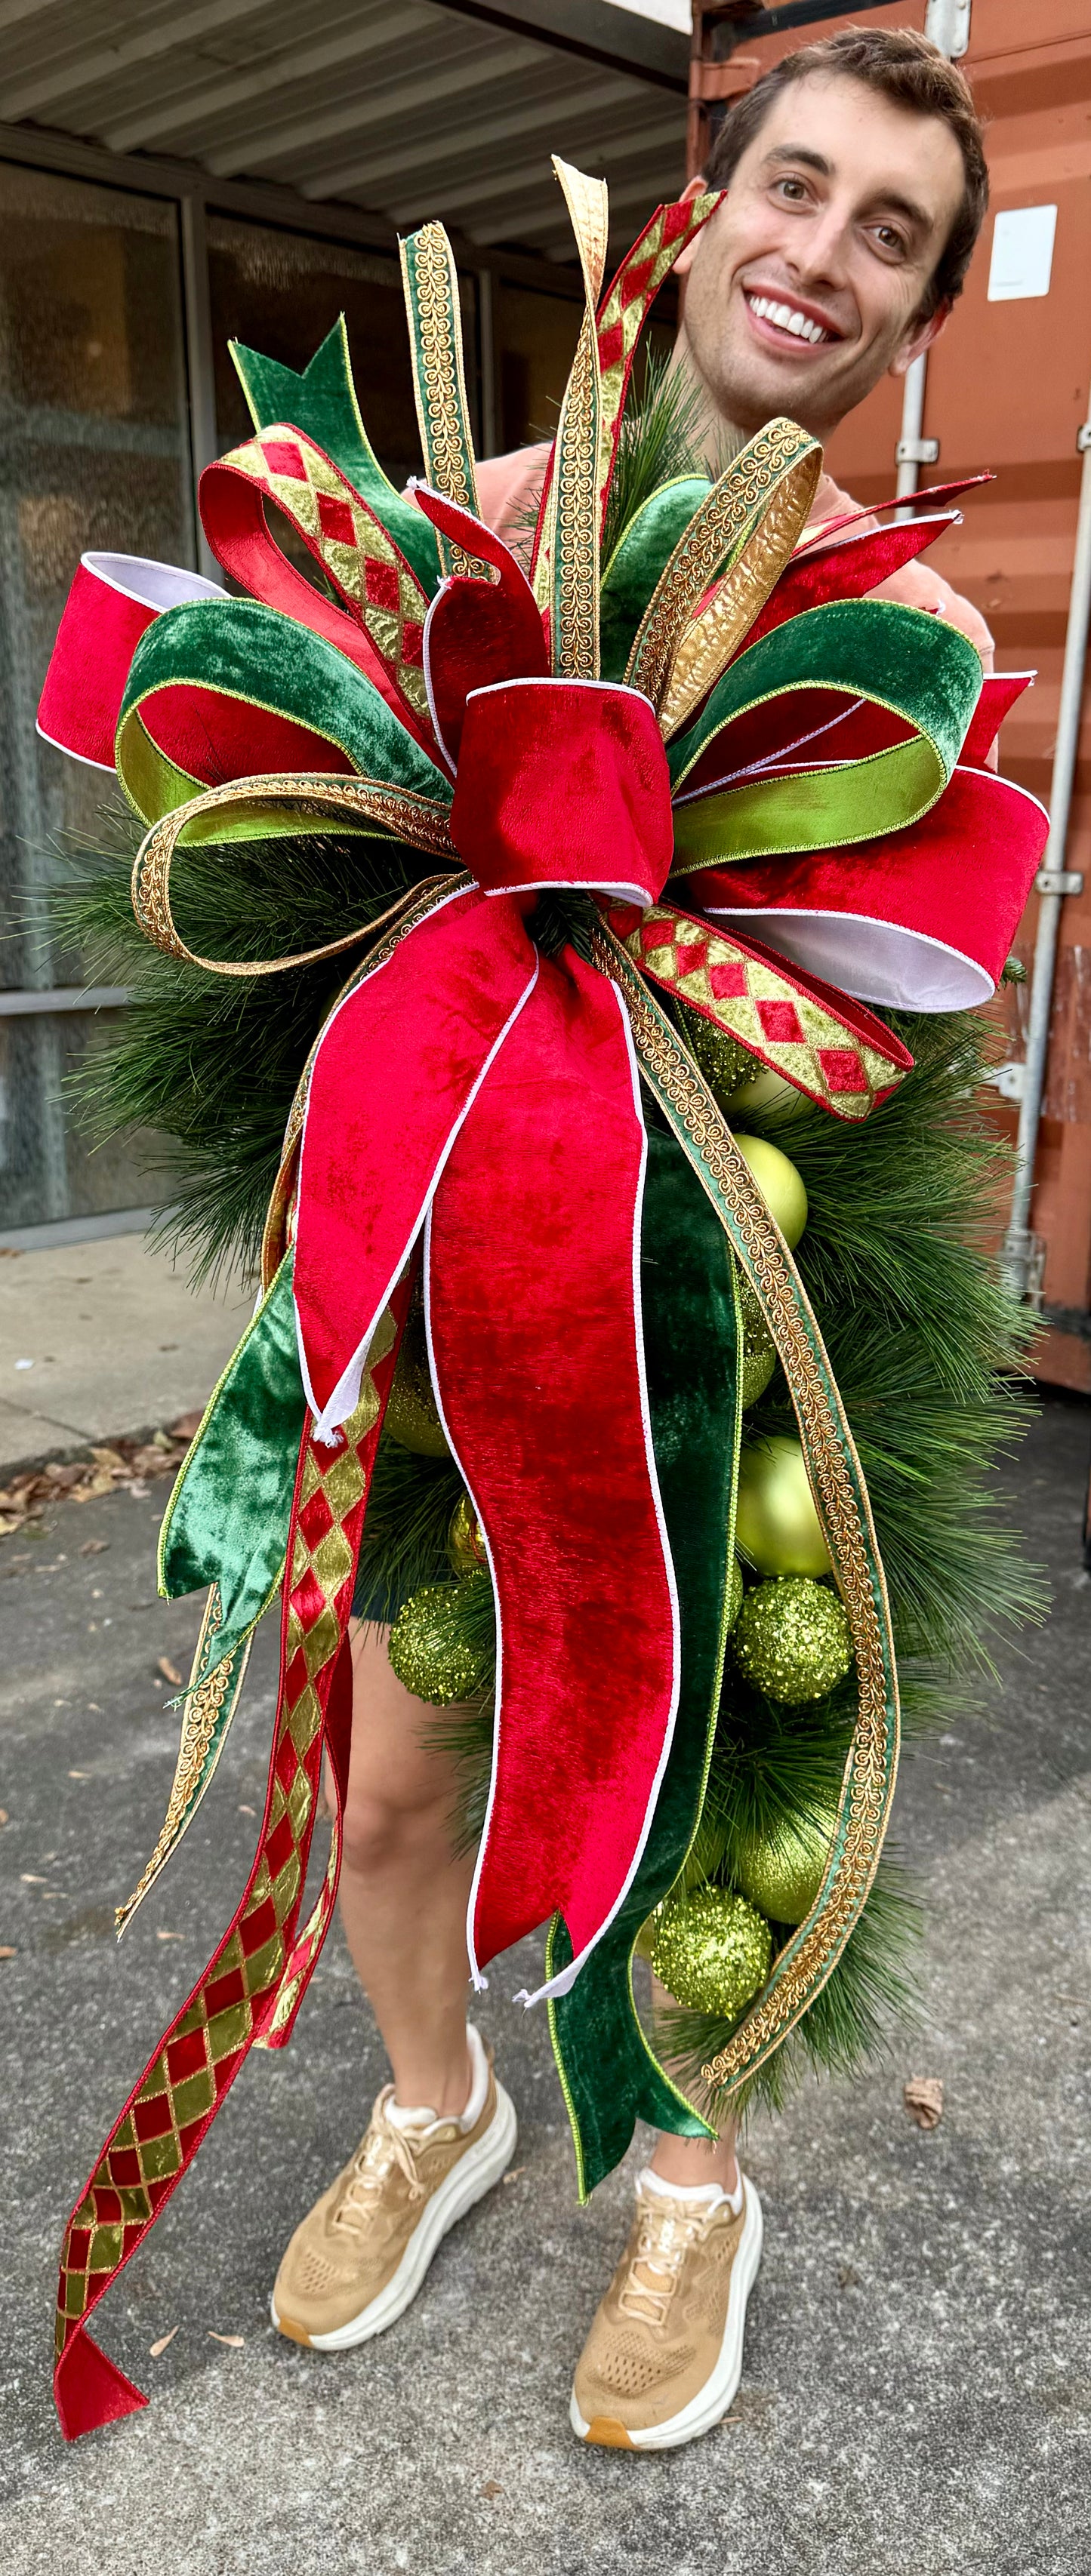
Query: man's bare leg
(403, 1892)
(689, 2162)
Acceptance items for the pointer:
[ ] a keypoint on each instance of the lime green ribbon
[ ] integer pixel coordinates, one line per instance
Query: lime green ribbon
(901, 659)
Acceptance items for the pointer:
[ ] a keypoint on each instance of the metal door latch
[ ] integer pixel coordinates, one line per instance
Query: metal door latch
(917, 451)
(1058, 881)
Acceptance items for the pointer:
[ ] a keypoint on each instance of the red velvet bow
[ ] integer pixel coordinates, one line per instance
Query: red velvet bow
(479, 1089)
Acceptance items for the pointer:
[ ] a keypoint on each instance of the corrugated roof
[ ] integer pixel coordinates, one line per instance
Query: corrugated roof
(401, 107)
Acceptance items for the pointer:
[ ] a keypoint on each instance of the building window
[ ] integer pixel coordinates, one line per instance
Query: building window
(93, 453)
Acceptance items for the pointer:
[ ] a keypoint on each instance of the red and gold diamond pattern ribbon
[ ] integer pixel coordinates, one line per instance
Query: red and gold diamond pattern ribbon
(624, 308)
(365, 566)
(759, 1002)
(255, 1980)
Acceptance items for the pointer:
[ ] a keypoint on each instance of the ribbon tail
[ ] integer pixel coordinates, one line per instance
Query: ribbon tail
(399, 1065)
(155, 2138)
(534, 1236)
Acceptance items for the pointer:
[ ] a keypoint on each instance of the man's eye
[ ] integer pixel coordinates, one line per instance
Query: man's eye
(888, 239)
(793, 189)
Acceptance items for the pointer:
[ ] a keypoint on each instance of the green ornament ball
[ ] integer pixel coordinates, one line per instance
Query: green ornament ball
(780, 1184)
(758, 1357)
(712, 1951)
(465, 1538)
(725, 1064)
(782, 1872)
(734, 1592)
(792, 1639)
(411, 1414)
(768, 1090)
(428, 1646)
(776, 1524)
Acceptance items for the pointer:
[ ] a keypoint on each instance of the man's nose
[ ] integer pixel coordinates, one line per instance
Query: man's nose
(818, 252)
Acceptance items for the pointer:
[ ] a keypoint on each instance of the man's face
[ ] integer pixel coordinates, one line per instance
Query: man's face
(804, 288)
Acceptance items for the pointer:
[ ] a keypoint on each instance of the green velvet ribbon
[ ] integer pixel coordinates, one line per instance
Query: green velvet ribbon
(636, 564)
(228, 1517)
(260, 658)
(609, 2074)
(917, 666)
(322, 403)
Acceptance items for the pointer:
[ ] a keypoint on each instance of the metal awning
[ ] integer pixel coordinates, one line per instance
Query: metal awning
(404, 108)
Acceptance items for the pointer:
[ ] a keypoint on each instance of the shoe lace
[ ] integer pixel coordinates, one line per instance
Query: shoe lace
(383, 2149)
(665, 2235)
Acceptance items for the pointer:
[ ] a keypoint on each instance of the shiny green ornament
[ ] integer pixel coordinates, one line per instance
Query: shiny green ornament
(724, 1063)
(411, 1414)
(465, 1538)
(782, 1872)
(712, 1951)
(792, 1640)
(776, 1525)
(757, 1354)
(781, 1186)
(429, 1649)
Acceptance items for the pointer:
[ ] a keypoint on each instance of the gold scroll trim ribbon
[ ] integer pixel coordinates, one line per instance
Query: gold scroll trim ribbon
(676, 657)
(410, 818)
(808, 1959)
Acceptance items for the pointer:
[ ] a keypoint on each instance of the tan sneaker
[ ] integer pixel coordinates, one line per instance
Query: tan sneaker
(664, 2356)
(360, 2257)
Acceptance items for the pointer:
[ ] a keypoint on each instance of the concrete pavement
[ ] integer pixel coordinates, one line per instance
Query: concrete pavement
(102, 1338)
(917, 2392)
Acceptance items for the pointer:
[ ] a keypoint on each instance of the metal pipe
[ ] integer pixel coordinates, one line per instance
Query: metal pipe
(1054, 881)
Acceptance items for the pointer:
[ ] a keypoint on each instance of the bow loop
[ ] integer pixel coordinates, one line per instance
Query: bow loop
(563, 783)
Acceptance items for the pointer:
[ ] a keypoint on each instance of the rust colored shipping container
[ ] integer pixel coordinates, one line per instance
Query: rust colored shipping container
(1008, 387)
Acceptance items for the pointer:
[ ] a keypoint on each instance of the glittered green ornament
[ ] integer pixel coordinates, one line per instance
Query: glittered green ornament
(411, 1414)
(465, 1538)
(792, 1640)
(725, 1064)
(429, 1647)
(711, 1951)
(782, 1872)
(776, 1525)
(734, 1592)
(757, 1351)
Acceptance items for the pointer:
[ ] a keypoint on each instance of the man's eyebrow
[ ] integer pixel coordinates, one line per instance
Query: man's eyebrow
(892, 197)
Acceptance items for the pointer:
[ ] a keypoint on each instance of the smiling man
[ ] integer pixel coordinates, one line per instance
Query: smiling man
(856, 187)
(855, 190)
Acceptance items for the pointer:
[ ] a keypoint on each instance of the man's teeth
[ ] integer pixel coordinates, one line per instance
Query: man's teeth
(786, 318)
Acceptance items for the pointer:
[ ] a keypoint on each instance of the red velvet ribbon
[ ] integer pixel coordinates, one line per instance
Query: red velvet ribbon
(113, 600)
(469, 1078)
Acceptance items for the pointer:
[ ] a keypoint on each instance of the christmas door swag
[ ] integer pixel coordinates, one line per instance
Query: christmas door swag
(744, 793)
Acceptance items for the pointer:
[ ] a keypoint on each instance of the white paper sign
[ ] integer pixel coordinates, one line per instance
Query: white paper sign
(1022, 255)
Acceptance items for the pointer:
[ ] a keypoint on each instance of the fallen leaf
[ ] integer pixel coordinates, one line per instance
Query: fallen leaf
(923, 2099)
(6, 1951)
(94, 1546)
(32, 1878)
(160, 2344)
(186, 1427)
(169, 1671)
(236, 2342)
(169, 1936)
(513, 2173)
(247, 1811)
(3, 1815)
(492, 2487)
(79, 1775)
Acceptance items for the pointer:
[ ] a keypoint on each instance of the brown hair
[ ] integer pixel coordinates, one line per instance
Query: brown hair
(913, 74)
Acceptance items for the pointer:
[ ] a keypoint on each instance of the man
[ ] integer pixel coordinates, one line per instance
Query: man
(856, 188)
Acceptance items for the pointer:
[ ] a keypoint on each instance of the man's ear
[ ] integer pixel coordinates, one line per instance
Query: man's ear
(919, 338)
(693, 188)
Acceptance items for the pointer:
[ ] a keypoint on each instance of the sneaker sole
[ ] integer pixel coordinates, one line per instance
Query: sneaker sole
(468, 2181)
(712, 2401)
